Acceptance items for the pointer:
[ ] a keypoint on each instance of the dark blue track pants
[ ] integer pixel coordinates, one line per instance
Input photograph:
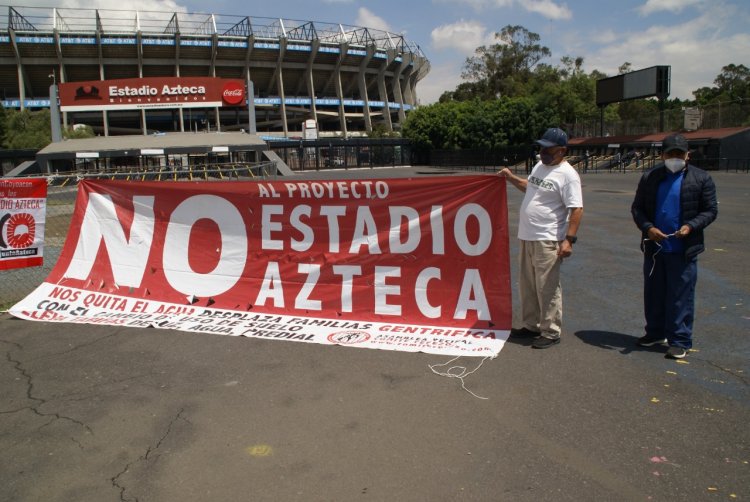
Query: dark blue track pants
(669, 297)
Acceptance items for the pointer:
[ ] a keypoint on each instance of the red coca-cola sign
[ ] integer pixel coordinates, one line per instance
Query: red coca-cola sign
(233, 93)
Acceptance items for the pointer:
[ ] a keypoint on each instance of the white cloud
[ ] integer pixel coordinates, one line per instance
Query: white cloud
(479, 5)
(696, 59)
(369, 19)
(548, 9)
(153, 14)
(652, 6)
(132, 5)
(464, 36)
(604, 36)
(442, 77)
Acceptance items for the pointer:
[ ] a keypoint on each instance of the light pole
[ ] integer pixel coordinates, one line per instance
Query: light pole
(54, 110)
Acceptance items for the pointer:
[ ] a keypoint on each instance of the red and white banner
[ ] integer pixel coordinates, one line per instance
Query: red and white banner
(150, 93)
(23, 205)
(404, 264)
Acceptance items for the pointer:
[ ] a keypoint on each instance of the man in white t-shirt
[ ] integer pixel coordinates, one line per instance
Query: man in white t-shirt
(549, 219)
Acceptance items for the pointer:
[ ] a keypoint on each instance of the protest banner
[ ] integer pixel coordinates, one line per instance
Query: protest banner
(404, 264)
(22, 212)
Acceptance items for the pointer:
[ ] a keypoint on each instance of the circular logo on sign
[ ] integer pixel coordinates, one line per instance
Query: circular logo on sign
(233, 93)
(20, 231)
(348, 337)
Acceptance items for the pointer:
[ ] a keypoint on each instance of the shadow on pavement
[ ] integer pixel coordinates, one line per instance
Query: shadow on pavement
(625, 344)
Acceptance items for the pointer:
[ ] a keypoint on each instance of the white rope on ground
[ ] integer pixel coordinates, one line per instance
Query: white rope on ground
(462, 373)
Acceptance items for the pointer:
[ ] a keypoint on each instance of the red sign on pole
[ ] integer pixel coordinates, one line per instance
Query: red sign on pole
(22, 212)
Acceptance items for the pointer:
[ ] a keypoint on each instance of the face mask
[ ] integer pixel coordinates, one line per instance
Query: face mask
(674, 165)
(546, 158)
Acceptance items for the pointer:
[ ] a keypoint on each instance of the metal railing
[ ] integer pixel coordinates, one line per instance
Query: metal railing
(78, 21)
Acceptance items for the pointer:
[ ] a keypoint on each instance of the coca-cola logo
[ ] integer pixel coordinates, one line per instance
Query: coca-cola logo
(233, 93)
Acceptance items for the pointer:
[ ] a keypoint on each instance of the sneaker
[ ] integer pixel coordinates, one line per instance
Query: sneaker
(676, 353)
(543, 342)
(650, 341)
(524, 333)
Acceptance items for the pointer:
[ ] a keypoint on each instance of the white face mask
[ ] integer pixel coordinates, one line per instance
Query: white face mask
(674, 165)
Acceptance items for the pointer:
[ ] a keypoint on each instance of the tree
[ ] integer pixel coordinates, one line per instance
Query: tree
(27, 129)
(567, 89)
(78, 131)
(734, 82)
(504, 68)
(380, 131)
(3, 119)
(484, 124)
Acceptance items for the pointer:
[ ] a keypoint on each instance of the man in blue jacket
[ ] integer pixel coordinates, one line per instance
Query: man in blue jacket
(674, 202)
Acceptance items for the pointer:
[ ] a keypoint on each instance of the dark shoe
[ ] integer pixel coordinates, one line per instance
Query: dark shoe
(676, 353)
(524, 333)
(650, 341)
(544, 342)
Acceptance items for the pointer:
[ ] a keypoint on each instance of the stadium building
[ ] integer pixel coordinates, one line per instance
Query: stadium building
(342, 79)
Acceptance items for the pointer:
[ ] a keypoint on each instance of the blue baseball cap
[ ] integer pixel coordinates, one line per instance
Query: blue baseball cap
(554, 136)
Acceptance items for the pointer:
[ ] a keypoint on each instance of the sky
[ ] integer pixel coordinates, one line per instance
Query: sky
(695, 37)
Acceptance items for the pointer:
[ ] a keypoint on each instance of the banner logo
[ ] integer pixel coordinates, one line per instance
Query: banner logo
(348, 337)
(19, 232)
(87, 92)
(23, 205)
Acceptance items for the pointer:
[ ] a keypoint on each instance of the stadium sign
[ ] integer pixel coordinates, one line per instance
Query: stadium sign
(149, 93)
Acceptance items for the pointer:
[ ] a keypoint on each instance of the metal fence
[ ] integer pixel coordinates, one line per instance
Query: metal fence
(62, 190)
(337, 153)
(714, 116)
(611, 164)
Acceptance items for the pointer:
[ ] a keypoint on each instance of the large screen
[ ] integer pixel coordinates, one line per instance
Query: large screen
(653, 81)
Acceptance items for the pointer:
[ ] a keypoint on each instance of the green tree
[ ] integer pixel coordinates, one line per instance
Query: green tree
(3, 119)
(513, 67)
(503, 68)
(78, 131)
(380, 131)
(732, 84)
(729, 99)
(485, 124)
(27, 129)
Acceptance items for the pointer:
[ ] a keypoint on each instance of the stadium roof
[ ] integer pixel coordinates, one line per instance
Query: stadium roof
(31, 19)
(695, 137)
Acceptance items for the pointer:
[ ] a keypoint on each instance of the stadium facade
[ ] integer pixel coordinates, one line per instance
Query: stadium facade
(347, 79)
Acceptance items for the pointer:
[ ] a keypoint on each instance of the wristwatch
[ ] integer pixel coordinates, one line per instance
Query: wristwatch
(571, 238)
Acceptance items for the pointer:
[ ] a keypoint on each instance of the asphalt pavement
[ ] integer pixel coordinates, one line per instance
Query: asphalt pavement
(93, 413)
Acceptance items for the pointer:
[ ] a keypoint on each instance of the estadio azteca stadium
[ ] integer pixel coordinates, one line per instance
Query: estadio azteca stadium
(134, 72)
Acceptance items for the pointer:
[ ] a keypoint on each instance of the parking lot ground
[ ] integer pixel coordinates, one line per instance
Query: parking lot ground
(92, 413)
